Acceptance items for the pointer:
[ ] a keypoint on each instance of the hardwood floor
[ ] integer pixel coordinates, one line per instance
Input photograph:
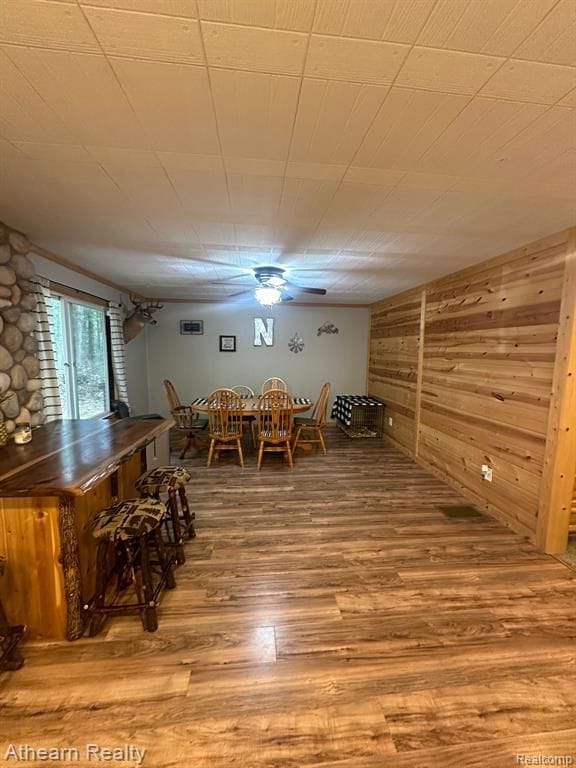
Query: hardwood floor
(330, 616)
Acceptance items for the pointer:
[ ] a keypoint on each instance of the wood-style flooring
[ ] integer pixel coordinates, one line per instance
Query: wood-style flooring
(327, 617)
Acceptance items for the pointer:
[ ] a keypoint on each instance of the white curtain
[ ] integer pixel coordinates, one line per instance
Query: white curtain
(44, 333)
(118, 351)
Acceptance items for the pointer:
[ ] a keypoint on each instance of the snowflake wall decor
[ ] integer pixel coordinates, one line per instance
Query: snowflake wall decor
(296, 343)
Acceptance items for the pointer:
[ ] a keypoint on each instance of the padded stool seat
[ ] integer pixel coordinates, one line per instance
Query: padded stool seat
(172, 481)
(130, 554)
(162, 480)
(126, 519)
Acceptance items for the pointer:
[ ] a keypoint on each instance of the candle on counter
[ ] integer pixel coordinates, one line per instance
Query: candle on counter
(22, 434)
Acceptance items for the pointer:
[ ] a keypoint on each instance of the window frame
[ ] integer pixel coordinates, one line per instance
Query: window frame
(69, 364)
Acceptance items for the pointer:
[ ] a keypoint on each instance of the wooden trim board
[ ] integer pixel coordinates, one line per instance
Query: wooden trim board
(420, 374)
(557, 488)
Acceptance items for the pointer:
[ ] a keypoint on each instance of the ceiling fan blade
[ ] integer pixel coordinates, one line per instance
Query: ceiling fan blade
(315, 291)
(238, 293)
(285, 297)
(225, 282)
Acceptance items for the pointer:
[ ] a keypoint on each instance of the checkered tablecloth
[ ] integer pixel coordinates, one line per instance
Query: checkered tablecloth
(295, 400)
(343, 405)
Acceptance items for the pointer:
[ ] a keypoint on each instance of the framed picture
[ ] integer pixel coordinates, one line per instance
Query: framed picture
(192, 327)
(227, 343)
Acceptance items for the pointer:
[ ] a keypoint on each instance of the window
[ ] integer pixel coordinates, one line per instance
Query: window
(81, 357)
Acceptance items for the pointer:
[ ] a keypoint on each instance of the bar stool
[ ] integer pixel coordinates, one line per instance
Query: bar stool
(133, 528)
(171, 480)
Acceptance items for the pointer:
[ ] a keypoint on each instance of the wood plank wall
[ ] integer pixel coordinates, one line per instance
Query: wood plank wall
(573, 514)
(488, 355)
(393, 364)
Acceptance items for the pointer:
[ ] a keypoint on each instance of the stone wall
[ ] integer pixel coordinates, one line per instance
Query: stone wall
(20, 385)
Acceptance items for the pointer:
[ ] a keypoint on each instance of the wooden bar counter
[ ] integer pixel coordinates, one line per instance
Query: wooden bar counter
(49, 491)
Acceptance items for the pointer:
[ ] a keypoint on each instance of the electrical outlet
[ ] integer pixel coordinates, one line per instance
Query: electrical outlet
(390, 421)
(486, 472)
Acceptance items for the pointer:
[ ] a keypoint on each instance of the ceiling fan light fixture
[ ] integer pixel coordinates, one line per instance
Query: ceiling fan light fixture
(267, 296)
(275, 281)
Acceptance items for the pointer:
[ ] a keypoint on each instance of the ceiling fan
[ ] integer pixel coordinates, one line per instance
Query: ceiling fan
(273, 286)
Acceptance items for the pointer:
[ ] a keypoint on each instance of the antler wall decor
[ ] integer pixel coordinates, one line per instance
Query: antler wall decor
(142, 314)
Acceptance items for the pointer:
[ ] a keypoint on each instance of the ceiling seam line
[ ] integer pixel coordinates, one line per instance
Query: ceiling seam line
(369, 127)
(297, 107)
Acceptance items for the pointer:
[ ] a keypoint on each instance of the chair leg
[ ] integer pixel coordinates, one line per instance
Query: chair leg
(289, 452)
(322, 443)
(239, 444)
(253, 426)
(298, 433)
(211, 452)
(190, 440)
(149, 616)
(260, 453)
(186, 514)
(96, 621)
(164, 560)
(178, 542)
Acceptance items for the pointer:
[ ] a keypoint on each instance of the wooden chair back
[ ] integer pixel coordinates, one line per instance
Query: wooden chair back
(320, 412)
(274, 383)
(275, 416)
(171, 394)
(186, 417)
(225, 414)
(241, 389)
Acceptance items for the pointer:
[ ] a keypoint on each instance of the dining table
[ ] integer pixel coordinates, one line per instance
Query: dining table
(251, 405)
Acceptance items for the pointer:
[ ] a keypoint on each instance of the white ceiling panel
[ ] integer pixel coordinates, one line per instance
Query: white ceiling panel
(255, 49)
(45, 24)
(408, 124)
(332, 119)
(554, 40)
(569, 100)
(495, 27)
(484, 127)
(397, 22)
(304, 200)
(147, 35)
(83, 91)
(158, 92)
(447, 71)
(274, 14)
(255, 113)
(25, 115)
(531, 81)
(360, 61)
(369, 145)
(200, 192)
(184, 8)
(254, 197)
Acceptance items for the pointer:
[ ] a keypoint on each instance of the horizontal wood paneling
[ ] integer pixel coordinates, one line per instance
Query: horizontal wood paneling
(393, 365)
(488, 359)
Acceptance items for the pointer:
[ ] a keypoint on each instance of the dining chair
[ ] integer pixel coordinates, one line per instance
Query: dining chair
(274, 383)
(243, 390)
(275, 423)
(225, 423)
(187, 420)
(315, 423)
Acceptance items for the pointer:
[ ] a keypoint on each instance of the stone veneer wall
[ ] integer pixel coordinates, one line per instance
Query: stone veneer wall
(20, 385)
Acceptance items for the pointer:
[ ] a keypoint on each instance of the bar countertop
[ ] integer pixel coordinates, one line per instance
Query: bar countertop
(69, 457)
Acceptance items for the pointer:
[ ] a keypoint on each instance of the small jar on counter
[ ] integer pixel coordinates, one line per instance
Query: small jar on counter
(22, 434)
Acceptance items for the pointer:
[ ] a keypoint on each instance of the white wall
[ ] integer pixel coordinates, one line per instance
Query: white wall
(196, 366)
(136, 351)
